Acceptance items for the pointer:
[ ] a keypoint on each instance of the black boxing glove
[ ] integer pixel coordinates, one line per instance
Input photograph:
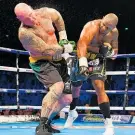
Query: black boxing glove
(106, 50)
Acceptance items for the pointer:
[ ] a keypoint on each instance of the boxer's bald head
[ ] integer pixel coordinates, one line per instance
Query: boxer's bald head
(111, 18)
(108, 23)
(24, 13)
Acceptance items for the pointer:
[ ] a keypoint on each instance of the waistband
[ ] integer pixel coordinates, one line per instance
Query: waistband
(35, 59)
(91, 56)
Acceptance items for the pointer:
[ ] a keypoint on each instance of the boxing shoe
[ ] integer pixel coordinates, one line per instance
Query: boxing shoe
(72, 115)
(43, 127)
(109, 128)
(51, 129)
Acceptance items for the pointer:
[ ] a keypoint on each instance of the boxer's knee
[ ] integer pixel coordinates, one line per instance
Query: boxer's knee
(99, 87)
(57, 88)
(76, 91)
(76, 87)
(100, 91)
(55, 92)
(66, 99)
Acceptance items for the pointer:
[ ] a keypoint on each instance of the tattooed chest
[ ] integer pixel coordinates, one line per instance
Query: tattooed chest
(45, 33)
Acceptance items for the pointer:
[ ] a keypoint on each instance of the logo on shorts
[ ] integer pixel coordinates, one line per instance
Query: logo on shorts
(94, 62)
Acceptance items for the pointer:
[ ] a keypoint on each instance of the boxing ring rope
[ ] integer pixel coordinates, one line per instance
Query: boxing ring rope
(27, 70)
(43, 91)
(17, 90)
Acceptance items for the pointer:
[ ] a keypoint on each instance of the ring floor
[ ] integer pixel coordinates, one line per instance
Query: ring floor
(79, 128)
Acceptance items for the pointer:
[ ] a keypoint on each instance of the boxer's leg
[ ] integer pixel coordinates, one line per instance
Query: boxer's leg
(104, 105)
(72, 115)
(50, 77)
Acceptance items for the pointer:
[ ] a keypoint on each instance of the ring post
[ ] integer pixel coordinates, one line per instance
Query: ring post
(17, 80)
(125, 103)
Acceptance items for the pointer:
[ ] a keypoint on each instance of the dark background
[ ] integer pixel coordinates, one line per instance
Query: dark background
(75, 13)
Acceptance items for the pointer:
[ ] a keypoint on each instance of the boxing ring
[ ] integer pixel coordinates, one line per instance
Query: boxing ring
(85, 124)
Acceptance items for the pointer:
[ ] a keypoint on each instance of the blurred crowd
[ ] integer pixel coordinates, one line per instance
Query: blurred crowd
(20, 112)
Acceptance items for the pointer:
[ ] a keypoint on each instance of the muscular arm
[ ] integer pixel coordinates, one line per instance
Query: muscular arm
(85, 39)
(59, 23)
(114, 41)
(35, 45)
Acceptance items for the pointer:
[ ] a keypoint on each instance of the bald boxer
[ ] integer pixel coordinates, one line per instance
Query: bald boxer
(98, 40)
(37, 35)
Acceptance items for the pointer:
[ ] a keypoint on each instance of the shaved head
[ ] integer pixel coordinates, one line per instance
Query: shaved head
(111, 18)
(25, 14)
(22, 11)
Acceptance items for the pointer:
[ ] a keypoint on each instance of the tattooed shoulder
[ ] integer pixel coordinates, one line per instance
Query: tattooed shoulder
(23, 33)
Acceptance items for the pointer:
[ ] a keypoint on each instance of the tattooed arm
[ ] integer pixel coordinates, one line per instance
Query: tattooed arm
(35, 45)
(58, 22)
